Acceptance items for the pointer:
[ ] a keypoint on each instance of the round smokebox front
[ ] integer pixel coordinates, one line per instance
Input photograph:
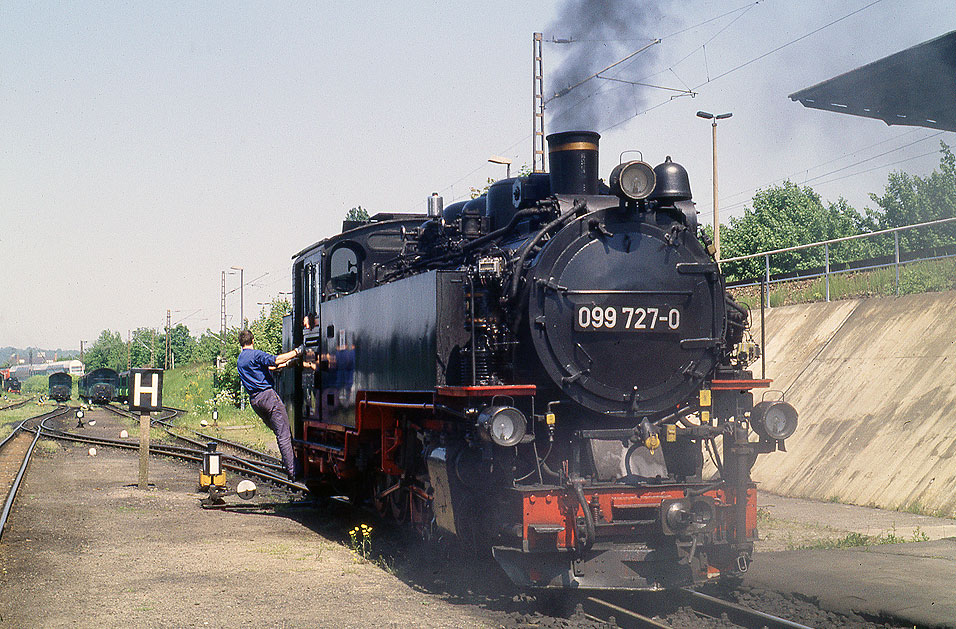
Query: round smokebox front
(616, 325)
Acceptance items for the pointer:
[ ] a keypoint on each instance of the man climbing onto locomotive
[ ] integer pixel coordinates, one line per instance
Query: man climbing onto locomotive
(255, 371)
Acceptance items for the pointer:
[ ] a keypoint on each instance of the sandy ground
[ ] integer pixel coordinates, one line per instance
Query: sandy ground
(792, 523)
(85, 547)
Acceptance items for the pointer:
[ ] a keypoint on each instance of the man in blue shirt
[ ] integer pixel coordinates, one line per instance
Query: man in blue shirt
(255, 371)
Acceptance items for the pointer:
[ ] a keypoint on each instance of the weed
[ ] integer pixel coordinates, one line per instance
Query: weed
(854, 539)
(276, 550)
(360, 541)
(48, 446)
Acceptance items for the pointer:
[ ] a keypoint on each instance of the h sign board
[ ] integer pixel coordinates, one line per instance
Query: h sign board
(145, 389)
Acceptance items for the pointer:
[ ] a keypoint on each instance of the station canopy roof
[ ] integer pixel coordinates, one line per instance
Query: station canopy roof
(915, 87)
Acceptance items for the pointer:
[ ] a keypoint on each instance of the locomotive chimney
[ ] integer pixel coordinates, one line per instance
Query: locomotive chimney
(574, 162)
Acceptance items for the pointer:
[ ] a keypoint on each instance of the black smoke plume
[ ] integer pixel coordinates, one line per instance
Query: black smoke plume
(601, 33)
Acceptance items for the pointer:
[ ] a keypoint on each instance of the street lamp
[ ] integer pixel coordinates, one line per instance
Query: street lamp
(497, 159)
(710, 116)
(242, 319)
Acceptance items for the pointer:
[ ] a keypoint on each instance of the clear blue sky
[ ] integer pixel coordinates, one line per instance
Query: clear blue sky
(145, 147)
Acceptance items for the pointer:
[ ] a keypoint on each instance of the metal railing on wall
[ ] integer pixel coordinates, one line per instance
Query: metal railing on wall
(830, 269)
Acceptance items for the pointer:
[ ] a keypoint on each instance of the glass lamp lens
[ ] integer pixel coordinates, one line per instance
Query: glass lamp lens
(634, 181)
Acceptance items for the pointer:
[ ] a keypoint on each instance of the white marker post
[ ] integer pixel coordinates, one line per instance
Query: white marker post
(145, 396)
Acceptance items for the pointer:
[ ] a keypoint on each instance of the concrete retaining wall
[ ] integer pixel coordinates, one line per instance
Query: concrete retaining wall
(874, 381)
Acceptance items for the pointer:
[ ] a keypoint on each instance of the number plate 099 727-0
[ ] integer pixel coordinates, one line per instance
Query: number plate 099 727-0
(661, 318)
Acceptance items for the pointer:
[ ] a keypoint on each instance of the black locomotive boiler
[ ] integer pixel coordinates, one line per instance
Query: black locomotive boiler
(539, 371)
(60, 386)
(99, 386)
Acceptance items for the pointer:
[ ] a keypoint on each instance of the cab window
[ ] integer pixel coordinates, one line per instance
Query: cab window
(344, 270)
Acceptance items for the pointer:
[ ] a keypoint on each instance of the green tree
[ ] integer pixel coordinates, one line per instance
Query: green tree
(108, 350)
(181, 345)
(357, 213)
(147, 348)
(786, 216)
(208, 348)
(909, 199)
(227, 376)
(267, 330)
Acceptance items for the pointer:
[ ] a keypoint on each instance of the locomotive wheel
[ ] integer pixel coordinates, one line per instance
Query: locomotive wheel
(393, 505)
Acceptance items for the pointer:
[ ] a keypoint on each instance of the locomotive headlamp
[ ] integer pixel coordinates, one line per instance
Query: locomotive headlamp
(774, 420)
(633, 180)
(503, 425)
(687, 516)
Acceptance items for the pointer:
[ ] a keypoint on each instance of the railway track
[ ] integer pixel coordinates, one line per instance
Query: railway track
(703, 605)
(248, 462)
(15, 452)
(17, 404)
(18, 447)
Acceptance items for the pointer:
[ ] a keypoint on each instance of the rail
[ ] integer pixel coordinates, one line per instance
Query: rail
(267, 459)
(828, 271)
(598, 608)
(15, 486)
(235, 463)
(17, 404)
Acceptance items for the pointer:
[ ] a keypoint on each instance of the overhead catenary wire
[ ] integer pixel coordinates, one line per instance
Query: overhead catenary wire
(792, 176)
(749, 62)
(790, 43)
(815, 179)
(597, 74)
(524, 139)
(741, 10)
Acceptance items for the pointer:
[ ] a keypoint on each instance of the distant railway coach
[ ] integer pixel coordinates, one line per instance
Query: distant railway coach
(61, 386)
(122, 388)
(99, 386)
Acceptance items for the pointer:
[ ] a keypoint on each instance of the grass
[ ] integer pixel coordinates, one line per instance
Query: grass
(853, 540)
(917, 277)
(15, 415)
(191, 388)
(48, 446)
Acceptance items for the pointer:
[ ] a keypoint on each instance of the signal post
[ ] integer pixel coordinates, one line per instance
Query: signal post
(145, 396)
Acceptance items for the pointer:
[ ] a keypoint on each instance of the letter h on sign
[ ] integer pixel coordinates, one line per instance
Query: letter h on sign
(146, 390)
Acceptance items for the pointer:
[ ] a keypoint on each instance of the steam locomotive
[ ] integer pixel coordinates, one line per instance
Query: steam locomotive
(99, 386)
(538, 371)
(60, 386)
(12, 384)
